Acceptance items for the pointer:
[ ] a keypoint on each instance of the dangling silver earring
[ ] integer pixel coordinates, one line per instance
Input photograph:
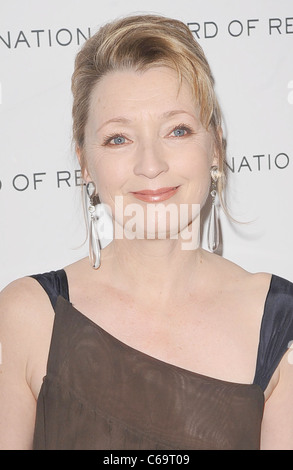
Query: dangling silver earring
(94, 241)
(213, 226)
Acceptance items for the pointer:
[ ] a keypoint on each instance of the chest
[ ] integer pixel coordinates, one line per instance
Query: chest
(138, 402)
(217, 339)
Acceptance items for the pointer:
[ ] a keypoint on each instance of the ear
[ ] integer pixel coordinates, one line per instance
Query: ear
(218, 142)
(215, 159)
(84, 171)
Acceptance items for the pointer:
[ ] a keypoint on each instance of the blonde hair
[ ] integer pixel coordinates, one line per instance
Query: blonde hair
(140, 42)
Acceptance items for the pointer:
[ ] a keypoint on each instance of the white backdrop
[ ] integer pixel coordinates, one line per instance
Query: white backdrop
(249, 45)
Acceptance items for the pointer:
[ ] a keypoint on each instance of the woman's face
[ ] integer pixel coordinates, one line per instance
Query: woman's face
(144, 142)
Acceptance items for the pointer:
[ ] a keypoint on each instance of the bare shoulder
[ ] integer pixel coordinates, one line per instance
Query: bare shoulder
(21, 302)
(235, 278)
(26, 320)
(25, 324)
(243, 292)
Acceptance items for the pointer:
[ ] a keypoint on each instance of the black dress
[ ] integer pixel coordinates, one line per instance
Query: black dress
(100, 393)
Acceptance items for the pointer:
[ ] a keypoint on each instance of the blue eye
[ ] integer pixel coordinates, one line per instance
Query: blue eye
(118, 140)
(180, 131)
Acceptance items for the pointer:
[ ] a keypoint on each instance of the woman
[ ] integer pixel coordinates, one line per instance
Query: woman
(161, 345)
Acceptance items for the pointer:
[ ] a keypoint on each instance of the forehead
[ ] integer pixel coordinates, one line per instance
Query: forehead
(154, 91)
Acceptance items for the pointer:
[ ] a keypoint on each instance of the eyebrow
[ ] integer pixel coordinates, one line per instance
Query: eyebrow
(118, 119)
(174, 112)
(166, 115)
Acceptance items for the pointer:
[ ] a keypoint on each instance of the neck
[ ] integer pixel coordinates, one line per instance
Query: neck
(161, 265)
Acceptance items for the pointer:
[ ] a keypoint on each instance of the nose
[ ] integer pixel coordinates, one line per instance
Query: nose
(150, 161)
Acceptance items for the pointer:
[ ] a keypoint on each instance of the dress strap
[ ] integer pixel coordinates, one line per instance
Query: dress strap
(55, 283)
(276, 333)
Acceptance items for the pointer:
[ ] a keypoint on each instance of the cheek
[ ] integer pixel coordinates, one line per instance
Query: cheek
(108, 176)
(195, 166)
(196, 170)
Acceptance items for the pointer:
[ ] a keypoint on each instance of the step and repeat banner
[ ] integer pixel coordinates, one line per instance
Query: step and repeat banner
(249, 45)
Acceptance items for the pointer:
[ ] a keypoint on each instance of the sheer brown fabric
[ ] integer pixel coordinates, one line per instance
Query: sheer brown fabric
(100, 393)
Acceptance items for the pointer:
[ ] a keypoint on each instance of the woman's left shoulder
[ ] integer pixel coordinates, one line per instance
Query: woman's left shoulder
(251, 288)
(279, 290)
(236, 277)
(253, 279)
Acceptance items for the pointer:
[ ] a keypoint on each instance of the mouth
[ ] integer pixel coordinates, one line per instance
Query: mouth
(155, 195)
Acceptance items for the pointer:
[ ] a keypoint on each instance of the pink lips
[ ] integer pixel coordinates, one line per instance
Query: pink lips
(157, 195)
